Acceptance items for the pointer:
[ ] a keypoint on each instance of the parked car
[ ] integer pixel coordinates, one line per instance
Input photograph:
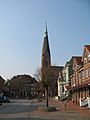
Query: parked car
(4, 99)
(1, 100)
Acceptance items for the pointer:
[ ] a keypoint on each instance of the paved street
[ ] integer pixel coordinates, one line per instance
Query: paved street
(27, 110)
(18, 110)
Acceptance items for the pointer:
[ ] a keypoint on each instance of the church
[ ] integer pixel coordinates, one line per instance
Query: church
(46, 65)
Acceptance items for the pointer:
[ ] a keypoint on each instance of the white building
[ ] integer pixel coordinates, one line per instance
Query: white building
(64, 81)
(61, 84)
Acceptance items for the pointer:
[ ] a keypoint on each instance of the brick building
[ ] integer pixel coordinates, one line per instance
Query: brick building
(22, 86)
(80, 79)
(2, 81)
(74, 79)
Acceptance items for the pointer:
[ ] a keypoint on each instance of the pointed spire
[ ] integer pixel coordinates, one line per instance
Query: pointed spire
(46, 42)
(46, 32)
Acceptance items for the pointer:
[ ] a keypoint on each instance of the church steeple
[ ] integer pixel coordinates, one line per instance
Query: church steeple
(46, 43)
(46, 58)
(46, 32)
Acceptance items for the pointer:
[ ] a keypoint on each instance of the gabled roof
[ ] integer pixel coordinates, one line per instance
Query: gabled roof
(1, 79)
(86, 51)
(78, 59)
(87, 47)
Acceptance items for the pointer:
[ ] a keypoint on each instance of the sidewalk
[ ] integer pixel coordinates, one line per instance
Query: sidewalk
(70, 106)
(69, 111)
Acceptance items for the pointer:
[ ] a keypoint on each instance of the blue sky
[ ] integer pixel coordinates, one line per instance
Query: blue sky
(22, 27)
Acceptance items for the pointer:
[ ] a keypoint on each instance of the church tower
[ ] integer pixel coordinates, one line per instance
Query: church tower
(46, 66)
(46, 57)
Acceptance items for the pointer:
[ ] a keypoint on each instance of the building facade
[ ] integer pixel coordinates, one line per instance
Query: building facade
(64, 82)
(80, 79)
(74, 79)
(61, 84)
(2, 82)
(22, 86)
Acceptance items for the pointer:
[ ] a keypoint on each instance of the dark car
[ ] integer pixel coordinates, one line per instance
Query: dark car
(4, 99)
(1, 100)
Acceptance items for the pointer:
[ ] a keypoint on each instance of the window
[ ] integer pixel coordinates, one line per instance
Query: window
(32, 85)
(85, 60)
(80, 75)
(64, 76)
(86, 73)
(89, 71)
(85, 57)
(73, 81)
(83, 74)
(31, 88)
(62, 89)
(89, 57)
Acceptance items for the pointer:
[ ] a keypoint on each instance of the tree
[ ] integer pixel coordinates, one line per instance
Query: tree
(46, 82)
(38, 88)
(37, 74)
(38, 85)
